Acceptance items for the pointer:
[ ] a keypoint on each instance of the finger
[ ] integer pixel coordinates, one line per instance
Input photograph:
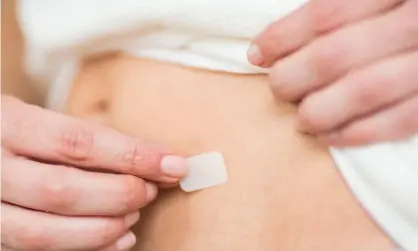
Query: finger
(124, 243)
(4, 248)
(167, 185)
(310, 21)
(50, 136)
(24, 229)
(360, 93)
(395, 123)
(331, 57)
(70, 191)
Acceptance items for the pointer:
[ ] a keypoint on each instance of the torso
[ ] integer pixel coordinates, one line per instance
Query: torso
(283, 192)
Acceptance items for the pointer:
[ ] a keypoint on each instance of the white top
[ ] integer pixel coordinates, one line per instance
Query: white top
(208, 34)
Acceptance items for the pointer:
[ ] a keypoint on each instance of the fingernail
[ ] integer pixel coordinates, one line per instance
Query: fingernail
(127, 241)
(254, 55)
(174, 166)
(131, 219)
(151, 190)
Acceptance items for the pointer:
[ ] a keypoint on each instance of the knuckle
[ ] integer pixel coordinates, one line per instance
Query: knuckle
(366, 96)
(108, 231)
(58, 197)
(368, 91)
(138, 158)
(76, 142)
(133, 193)
(327, 59)
(133, 158)
(33, 239)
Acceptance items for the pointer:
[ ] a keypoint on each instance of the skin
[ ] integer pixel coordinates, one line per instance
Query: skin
(295, 222)
(61, 177)
(350, 64)
(13, 81)
(59, 173)
(283, 191)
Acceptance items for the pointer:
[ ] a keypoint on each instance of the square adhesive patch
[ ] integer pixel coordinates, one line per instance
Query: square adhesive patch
(205, 170)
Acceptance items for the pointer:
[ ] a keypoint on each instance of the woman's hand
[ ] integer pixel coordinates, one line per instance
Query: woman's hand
(352, 64)
(69, 185)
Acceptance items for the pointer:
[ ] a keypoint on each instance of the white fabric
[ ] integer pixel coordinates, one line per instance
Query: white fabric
(209, 34)
(384, 177)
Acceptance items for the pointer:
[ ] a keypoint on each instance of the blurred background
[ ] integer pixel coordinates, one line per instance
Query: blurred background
(12, 49)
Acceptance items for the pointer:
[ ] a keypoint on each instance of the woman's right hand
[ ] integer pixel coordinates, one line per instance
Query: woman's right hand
(69, 185)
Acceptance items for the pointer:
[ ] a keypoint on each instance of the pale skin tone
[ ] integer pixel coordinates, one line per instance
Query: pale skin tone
(59, 179)
(352, 65)
(283, 192)
(45, 236)
(58, 173)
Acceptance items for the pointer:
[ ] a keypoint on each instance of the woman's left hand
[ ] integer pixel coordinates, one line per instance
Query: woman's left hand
(352, 64)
